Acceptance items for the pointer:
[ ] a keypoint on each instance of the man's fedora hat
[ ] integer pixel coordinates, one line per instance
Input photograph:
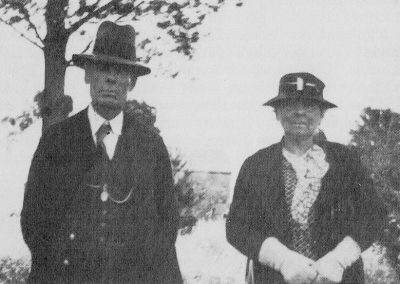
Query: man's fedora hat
(300, 86)
(114, 44)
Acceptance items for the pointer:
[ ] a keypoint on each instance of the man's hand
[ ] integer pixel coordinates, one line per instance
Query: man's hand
(294, 267)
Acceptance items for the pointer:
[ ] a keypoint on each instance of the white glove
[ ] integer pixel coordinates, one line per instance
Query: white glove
(331, 266)
(294, 267)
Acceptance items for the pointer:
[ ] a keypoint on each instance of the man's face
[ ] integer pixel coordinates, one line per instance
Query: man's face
(299, 118)
(109, 86)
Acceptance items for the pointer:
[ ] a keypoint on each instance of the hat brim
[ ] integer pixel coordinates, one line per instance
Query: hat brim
(81, 59)
(277, 101)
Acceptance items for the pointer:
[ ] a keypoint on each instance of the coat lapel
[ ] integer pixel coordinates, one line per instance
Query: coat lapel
(274, 175)
(136, 153)
(75, 155)
(128, 142)
(273, 191)
(83, 146)
(331, 178)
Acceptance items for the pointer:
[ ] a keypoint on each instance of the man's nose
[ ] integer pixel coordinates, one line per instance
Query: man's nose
(111, 76)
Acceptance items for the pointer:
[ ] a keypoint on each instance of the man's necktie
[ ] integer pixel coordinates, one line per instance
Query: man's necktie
(103, 131)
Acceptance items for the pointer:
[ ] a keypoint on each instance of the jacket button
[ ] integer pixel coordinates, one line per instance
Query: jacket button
(66, 262)
(72, 236)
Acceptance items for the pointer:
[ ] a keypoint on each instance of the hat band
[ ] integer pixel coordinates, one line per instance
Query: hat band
(307, 93)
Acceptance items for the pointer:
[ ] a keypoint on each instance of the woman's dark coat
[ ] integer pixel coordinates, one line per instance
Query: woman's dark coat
(346, 206)
(146, 249)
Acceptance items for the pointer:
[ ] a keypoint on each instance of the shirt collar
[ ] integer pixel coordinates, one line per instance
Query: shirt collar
(311, 164)
(97, 120)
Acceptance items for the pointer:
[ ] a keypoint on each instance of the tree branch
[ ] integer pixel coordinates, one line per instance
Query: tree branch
(22, 34)
(33, 27)
(27, 17)
(24, 12)
(87, 47)
(127, 13)
(90, 8)
(69, 62)
(90, 15)
(120, 18)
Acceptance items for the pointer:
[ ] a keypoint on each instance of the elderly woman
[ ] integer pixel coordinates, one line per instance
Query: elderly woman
(303, 209)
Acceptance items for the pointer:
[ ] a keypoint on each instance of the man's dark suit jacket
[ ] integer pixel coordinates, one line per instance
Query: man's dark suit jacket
(64, 155)
(346, 206)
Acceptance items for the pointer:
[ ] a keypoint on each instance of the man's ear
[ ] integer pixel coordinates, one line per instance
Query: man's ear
(277, 114)
(88, 73)
(133, 82)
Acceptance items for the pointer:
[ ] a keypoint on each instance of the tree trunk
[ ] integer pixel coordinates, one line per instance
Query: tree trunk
(54, 105)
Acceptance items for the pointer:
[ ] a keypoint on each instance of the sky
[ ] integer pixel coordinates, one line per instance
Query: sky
(212, 112)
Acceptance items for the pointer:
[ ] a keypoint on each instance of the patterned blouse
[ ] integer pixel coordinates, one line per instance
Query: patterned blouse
(302, 176)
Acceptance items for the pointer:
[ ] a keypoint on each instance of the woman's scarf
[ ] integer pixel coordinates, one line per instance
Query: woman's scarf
(310, 168)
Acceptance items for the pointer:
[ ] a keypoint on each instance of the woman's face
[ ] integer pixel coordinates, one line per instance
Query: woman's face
(299, 118)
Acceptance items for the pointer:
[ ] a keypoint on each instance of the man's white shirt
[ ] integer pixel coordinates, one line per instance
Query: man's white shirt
(110, 141)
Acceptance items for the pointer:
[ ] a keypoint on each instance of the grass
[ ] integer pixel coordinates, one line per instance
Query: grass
(206, 257)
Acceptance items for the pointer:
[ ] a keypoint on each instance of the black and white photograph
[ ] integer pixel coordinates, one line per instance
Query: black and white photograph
(200, 141)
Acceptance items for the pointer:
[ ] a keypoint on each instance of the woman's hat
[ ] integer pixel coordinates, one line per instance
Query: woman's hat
(300, 86)
(115, 45)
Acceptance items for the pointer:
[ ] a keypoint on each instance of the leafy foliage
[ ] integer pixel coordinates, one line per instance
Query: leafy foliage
(178, 19)
(185, 188)
(49, 26)
(378, 139)
(22, 121)
(143, 113)
(13, 270)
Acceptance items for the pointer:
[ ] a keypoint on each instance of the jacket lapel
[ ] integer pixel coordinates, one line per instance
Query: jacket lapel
(274, 176)
(75, 155)
(331, 178)
(134, 151)
(86, 148)
(129, 139)
(273, 191)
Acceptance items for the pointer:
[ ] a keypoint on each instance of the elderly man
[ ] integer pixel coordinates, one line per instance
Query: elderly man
(99, 203)
(304, 208)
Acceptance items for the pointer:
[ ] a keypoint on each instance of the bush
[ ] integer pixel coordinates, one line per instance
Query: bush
(13, 270)
(377, 267)
(378, 140)
(188, 198)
